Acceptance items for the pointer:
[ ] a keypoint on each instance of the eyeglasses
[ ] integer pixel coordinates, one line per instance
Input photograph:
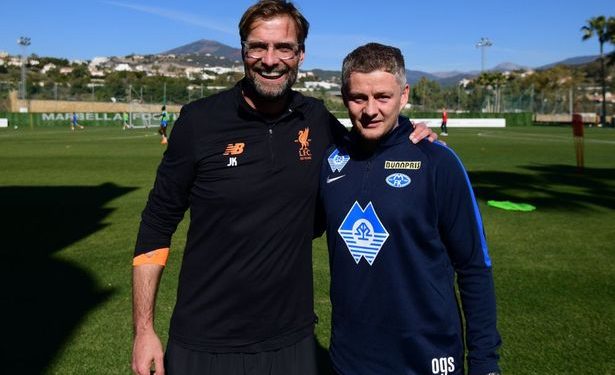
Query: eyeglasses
(283, 51)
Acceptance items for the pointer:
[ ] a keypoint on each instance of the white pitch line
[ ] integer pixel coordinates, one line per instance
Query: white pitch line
(8, 135)
(542, 138)
(126, 137)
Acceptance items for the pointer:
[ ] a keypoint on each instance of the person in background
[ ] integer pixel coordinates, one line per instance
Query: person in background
(164, 120)
(402, 227)
(443, 129)
(74, 122)
(125, 121)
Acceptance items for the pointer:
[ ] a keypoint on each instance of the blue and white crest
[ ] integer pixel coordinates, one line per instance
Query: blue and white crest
(363, 233)
(337, 160)
(398, 180)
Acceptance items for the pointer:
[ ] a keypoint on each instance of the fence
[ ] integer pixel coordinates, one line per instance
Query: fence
(43, 120)
(505, 99)
(512, 99)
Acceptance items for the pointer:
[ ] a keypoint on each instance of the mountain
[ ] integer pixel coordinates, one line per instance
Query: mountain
(204, 46)
(413, 76)
(508, 67)
(209, 53)
(443, 78)
(454, 80)
(579, 60)
(453, 73)
(327, 75)
(197, 51)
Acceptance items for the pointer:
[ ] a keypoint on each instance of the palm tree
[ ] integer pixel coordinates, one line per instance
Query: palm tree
(605, 31)
(493, 81)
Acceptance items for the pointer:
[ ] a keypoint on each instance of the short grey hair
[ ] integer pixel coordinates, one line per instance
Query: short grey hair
(371, 57)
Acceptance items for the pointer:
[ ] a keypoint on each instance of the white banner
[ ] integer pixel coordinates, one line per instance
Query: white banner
(452, 122)
(464, 122)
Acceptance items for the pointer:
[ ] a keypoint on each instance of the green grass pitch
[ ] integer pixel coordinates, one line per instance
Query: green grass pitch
(71, 204)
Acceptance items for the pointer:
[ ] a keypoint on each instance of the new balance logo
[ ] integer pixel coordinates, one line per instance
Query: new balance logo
(234, 149)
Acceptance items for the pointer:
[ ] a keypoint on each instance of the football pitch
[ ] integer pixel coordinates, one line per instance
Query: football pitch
(71, 204)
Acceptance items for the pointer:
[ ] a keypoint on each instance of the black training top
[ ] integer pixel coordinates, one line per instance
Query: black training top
(251, 185)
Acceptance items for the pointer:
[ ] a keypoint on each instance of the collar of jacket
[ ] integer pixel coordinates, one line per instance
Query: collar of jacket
(398, 135)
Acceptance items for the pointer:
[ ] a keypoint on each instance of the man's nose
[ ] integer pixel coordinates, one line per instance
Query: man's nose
(271, 57)
(371, 108)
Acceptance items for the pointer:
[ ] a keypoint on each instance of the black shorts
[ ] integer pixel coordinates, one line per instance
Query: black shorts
(297, 359)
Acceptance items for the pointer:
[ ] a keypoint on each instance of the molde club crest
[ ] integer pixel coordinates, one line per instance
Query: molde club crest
(363, 233)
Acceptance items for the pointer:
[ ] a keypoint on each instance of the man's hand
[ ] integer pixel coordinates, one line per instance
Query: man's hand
(421, 131)
(146, 350)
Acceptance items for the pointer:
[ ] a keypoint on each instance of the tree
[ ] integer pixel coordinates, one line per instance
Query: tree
(552, 88)
(604, 29)
(493, 82)
(426, 94)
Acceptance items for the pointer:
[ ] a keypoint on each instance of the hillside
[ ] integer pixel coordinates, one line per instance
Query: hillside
(579, 60)
(206, 52)
(205, 47)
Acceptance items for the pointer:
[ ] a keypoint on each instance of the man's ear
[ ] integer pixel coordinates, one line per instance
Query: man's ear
(405, 96)
(301, 57)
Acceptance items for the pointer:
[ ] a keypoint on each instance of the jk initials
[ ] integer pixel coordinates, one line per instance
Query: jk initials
(232, 162)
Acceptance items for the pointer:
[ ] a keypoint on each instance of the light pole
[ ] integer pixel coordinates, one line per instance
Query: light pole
(24, 42)
(482, 44)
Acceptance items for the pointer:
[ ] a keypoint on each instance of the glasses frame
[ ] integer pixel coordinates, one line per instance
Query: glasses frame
(297, 48)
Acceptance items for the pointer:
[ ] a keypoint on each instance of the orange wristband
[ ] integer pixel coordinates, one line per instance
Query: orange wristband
(158, 256)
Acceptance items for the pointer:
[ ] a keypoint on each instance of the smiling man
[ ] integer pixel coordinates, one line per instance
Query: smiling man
(246, 163)
(402, 224)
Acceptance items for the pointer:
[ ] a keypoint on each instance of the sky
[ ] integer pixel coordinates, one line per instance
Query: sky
(434, 36)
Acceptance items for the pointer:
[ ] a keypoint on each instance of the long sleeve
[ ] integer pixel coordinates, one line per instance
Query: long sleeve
(462, 232)
(170, 197)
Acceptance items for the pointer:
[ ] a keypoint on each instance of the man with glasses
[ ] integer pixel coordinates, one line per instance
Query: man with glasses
(246, 162)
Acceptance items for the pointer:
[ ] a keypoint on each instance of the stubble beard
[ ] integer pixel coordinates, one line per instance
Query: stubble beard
(271, 92)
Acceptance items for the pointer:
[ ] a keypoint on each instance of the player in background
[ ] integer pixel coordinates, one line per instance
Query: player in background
(164, 120)
(74, 122)
(444, 121)
(125, 121)
(577, 133)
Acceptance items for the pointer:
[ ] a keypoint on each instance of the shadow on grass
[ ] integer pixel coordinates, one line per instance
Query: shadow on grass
(549, 187)
(43, 298)
(322, 358)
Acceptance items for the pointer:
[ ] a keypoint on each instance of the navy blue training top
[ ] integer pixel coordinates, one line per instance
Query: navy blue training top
(402, 222)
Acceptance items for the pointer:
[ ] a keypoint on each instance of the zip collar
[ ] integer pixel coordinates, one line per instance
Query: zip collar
(298, 104)
(398, 135)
